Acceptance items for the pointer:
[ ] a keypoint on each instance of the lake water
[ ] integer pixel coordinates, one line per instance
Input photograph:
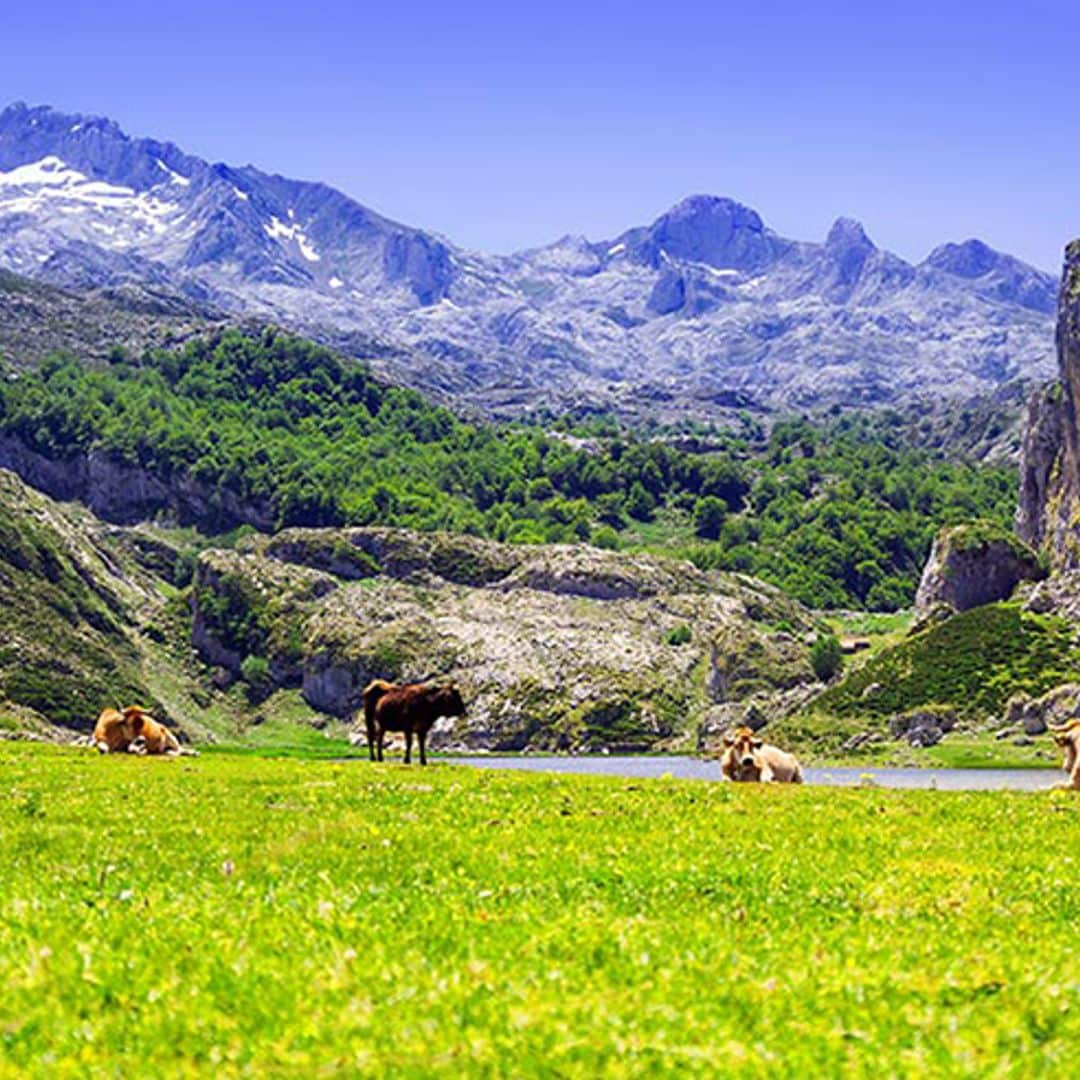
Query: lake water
(690, 768)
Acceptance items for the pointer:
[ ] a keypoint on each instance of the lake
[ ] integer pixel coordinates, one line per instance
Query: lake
(691, 768)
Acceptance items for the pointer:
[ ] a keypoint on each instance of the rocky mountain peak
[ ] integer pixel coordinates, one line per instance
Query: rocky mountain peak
(716, 231)
(995, 274)
(847, 234)
(970, 259)
(705, 303)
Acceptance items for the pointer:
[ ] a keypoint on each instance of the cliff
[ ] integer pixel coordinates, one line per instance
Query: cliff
(1048, 516)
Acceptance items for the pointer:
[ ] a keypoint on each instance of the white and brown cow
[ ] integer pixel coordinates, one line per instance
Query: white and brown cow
(747, 759)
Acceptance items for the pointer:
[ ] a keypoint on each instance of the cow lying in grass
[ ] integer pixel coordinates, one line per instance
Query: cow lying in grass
(411, 708)
(133, 730)
(1068, 737)
(749, 760)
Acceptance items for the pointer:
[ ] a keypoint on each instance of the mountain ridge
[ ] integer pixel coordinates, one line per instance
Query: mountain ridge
(704, 306)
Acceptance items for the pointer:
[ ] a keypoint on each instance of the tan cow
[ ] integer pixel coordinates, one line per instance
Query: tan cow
(749, 760)
(134, 730)
(1068, 737)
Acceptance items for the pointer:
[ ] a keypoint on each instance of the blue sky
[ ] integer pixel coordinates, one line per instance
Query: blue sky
(505, 126)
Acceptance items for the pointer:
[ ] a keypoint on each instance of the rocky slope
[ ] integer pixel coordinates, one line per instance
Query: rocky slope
(553, 647)
(74, 608)
(37, 319)
(703, 312)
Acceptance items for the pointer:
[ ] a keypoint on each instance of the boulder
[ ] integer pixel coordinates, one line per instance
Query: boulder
(861, 740)
(974, 564)
(1035, 715)
(924, 726)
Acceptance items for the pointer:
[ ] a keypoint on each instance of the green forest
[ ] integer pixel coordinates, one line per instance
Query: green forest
(840, 513)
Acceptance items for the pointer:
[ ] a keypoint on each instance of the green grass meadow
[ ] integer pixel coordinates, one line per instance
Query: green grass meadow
(242, 916)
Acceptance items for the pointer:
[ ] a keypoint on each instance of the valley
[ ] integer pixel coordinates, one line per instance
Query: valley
(241, 526)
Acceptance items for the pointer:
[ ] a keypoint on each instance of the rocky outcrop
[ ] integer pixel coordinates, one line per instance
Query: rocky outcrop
(1040, 461)
(554, 647)
(1035, 715)
(125, 493)
(925, 726)
(974, 564)
(1049, 513)
(1059, 595)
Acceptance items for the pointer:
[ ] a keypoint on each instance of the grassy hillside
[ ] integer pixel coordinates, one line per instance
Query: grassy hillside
(971, 663)
(840, 514)
(67, 648)
(249, 917)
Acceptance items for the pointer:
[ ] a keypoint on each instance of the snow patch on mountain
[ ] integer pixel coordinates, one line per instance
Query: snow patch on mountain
(52, 185)
(278, 230)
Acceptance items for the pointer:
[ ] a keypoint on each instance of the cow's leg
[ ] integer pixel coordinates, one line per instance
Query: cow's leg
(421, 738)
(379, 735)
(408, 746)
(371, 740)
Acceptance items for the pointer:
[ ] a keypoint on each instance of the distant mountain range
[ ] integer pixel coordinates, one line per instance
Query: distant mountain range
(704, 311)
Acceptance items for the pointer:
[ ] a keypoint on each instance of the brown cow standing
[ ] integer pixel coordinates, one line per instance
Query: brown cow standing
(407, 707)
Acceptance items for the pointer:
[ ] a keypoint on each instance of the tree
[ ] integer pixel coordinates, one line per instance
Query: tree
(826, 657)
(709, 512)
(640, 503)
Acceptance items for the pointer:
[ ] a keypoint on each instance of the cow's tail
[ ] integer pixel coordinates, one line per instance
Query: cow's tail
(373, 693)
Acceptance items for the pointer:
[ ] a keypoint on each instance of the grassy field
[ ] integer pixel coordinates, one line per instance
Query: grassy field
(237, 915)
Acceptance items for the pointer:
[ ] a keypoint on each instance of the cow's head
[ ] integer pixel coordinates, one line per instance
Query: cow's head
(449, 701)
(743, 746)
(135, 716)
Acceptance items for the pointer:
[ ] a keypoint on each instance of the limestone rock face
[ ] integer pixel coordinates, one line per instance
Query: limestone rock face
(677, 318)
(974, 564)
(553, 647)
(1049, 513)
(125, 493)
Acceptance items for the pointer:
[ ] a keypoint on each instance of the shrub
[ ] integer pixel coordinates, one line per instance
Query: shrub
(825, 656)
(255, 671)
